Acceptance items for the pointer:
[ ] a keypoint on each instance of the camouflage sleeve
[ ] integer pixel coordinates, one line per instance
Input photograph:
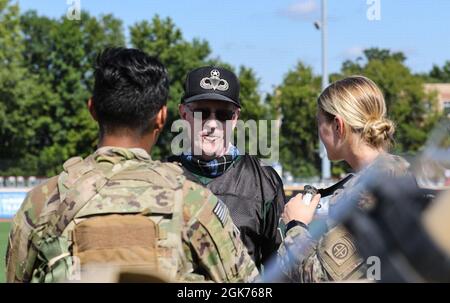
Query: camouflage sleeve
(297, 257)
(18, 261)
(214, 239)
(18, 244)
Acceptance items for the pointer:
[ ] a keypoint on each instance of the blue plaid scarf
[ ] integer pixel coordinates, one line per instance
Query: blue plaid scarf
(212, 168)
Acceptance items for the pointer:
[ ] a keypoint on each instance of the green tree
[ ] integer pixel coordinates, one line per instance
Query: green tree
(296, 101)
(46, 77)
(161, 38)
(438, 74)
(413, 111)
(18, 92)
(62, 53)
(56, 58)
(383, 54)
(253, 106)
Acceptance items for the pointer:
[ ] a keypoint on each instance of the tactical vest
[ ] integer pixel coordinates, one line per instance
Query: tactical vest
(127, 216)
(337, 250)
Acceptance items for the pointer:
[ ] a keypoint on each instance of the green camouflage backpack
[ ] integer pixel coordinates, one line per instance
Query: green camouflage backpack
(111, 212)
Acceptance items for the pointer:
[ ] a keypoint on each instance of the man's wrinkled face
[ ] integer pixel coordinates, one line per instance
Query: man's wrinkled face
(212, 123)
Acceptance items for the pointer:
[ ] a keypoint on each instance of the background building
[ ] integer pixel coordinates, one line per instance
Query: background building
(442, 91)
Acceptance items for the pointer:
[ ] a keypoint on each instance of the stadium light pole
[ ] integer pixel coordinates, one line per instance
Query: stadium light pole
(323, 27)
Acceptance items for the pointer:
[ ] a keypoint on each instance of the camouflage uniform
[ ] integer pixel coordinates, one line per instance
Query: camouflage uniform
(334, 256)
(195, 236)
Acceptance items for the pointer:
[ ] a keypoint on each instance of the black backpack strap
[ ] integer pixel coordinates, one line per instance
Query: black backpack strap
(324, 192)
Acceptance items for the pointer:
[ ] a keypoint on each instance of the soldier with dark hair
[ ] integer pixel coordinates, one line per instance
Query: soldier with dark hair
(118, 207)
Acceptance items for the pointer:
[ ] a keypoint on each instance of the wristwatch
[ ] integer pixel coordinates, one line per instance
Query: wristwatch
(293, 223)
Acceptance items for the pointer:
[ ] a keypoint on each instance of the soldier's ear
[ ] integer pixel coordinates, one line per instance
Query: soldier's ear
(339, 126)
(160, 119)
(182, 111)
(90, 105)
(236, 116)
(237, 113)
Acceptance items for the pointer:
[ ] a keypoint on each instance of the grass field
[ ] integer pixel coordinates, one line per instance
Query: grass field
(4, 230)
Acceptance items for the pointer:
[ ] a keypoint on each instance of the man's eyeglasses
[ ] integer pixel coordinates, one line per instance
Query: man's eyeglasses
(220, 114)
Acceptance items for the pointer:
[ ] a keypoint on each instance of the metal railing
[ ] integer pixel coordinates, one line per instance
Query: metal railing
(20, 181)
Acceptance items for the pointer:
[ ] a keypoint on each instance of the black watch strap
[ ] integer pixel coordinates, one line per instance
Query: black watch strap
(293, 223)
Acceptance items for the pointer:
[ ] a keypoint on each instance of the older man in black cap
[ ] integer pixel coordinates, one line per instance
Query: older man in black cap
(252, 192)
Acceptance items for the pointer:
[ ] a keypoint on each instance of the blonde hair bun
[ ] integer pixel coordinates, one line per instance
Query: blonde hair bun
(378, 132)
(360, 103)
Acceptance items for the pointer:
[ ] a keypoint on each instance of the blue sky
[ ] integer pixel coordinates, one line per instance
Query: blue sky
(272, 36)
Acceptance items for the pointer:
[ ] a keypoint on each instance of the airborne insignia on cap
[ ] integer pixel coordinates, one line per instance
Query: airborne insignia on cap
(214, 82)
(221, 211)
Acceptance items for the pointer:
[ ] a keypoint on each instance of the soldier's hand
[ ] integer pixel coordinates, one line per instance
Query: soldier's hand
(299, 210)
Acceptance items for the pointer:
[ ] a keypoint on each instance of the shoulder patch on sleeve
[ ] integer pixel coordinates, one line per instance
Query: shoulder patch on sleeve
(339, 255)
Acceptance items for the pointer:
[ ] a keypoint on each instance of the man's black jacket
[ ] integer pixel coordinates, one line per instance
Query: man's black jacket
(255, 198)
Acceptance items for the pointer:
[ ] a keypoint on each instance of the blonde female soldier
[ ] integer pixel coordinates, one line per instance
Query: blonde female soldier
(353, 126)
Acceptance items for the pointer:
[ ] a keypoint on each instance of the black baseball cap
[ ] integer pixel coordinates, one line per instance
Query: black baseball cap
(211, 83)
